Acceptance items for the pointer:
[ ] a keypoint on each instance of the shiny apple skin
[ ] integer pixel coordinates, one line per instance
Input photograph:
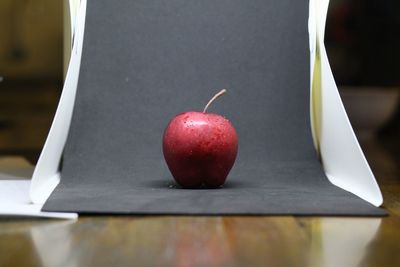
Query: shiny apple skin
(200, 149)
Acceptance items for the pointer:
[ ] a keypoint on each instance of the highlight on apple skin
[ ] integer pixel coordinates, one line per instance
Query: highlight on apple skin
(200, 148)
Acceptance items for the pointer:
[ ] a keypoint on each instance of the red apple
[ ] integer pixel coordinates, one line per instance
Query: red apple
(200, 148)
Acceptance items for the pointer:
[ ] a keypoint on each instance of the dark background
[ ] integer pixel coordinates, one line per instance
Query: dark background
(362, 39)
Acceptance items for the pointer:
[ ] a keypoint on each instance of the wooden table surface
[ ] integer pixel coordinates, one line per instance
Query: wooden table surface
(214, 241)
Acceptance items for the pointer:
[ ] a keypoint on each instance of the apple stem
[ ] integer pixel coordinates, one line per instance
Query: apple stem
(223, 91)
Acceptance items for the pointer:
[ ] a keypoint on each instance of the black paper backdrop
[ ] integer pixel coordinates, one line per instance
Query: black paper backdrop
(145, 61)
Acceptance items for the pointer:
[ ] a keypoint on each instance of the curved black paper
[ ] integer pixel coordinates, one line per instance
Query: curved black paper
(145, 61)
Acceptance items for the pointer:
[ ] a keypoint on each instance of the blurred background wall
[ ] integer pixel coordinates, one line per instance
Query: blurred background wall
(31, 50)
(363, 45)
(363, 42)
